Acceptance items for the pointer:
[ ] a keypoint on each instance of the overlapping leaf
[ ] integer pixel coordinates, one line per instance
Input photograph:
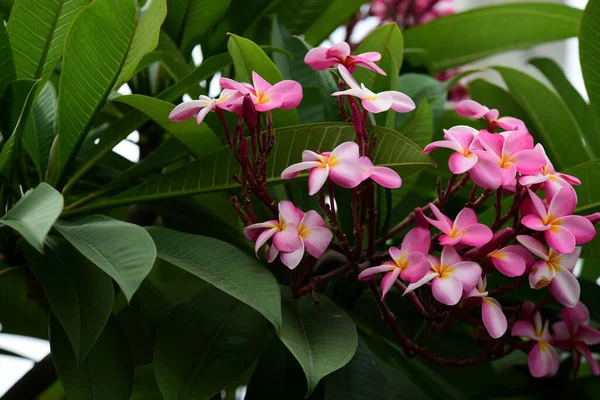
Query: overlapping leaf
(7, 68)
(338, 12)
(589, 56)
(40, 130)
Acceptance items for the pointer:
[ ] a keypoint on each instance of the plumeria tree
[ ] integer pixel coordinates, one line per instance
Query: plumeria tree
(306, 219)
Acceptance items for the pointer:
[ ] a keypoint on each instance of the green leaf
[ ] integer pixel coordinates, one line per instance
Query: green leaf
(553, 124)
(419, 87)
(450, 42)
(106, 372)
(34, 214)
(297, 15)
(37, 34)
(248, 57)
(199, 139)
(206, 344)
(40, 130)
(81, 296)
(7, 69)
(144, 39)
(223, 266)
(321, 337)
(577, 105)
(338, 12)
(590, 270)
(589, 57)
(124, 251)
(95, 52)
(214, 171)
(496, 97)
(588, 193)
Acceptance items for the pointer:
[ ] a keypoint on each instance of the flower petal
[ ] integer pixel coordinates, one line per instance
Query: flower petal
(339, 50)
(579, 226)
(400, 102)
(291, 92)
(562, 204)
(443, 223)
(289, 213)
(428, 277)
(447, 144)
(568, 261)
(317, 241)
(386, 177)
(560, 239)
(493, 317)
(388, 281)
(468, 272)
(535, 222)
(260, 85)
(538, 204)
(476, 235)
(417, 239)
(263, 238)
(565, 287)
(447, 289)
(460, 164)
(294, 170)
(382, 102)
(534, 246)
(312, 219)
(369, 273)
(543, 360)
(486, 174)
(465, 218)
(450, 256)
(292, 259)
(523, 329)
(471, 108)
(272, 255)
(541, 275)
(347, 151)
(588, 335)
(252, 232)
(346, 173)
(317, 178)
(317, 59)
(347, 77)
(590, 359)
(187, 110)
(287, 239)
(418, 266)
(508, 263)
(269, 102)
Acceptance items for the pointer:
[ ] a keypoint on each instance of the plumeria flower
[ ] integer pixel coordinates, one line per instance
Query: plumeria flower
(554, 270)
(552, 180)
(342, 166)
(512, 260)
(493, 318)
(464, 229)
(230, 100)
(409, 262)
(450, 275)
(562, 230)
(573, 333)
(321, 58)
(384, 176)
(285, 95)
(375, 102)
(283, 231)
(543, 360)
(513, 151)
(471, 108)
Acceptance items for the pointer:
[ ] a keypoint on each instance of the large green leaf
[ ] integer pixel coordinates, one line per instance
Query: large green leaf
(37, 34)
(124, 251)
(573, 99)
(298, 15)
(199, 139)
(553, 124)
(248, 57)
(95, 52)
(214, 171)
(144, 39)
(40, 130)
(7, 68)
(421, 87)
(81, 296)
(321, 337)
(106, 372)
(458, 39)
(223, 266)
(588, 193)
(338, 12)
(206, 344)
(589, 57)
(34, 214)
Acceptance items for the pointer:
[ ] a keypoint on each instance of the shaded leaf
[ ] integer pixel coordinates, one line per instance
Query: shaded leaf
(223, 266)
(589, 57)
(205, 344)
(297, 15)
(7, 69)
(588, 193)
(122, 250)
(106, 372)
(338, 12)
(34, 214)
(40, 130)
(81, 296)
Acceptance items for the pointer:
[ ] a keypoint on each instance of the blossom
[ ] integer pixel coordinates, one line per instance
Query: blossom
(384, 176)
(512, 260)
(554, 270)
(471, 108)
(450, 275)
(464, 229)
(286, 94)
(562, 230)
(574, 333)
(342, 166)
(543, 360)
(493, 318)
(230, 100)
(552, 180)
(321, 58)
(283, 231)
(409, 262)
(375, 102)
(513, 151)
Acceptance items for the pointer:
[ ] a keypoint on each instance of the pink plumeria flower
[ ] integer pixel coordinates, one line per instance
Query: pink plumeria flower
(313, 236)
(471, 108)
(554, 270)
(543, 360)
(450, 275)
(409, 262)
(573, 333)
(321, 58)
(464, 229)
(285, 95)
(513, 151)
(562, 230)
(553, 181)
(493, 318)
(512, 260)
(384, 176)
(342, 166)
(229, 100)
(375, 102)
